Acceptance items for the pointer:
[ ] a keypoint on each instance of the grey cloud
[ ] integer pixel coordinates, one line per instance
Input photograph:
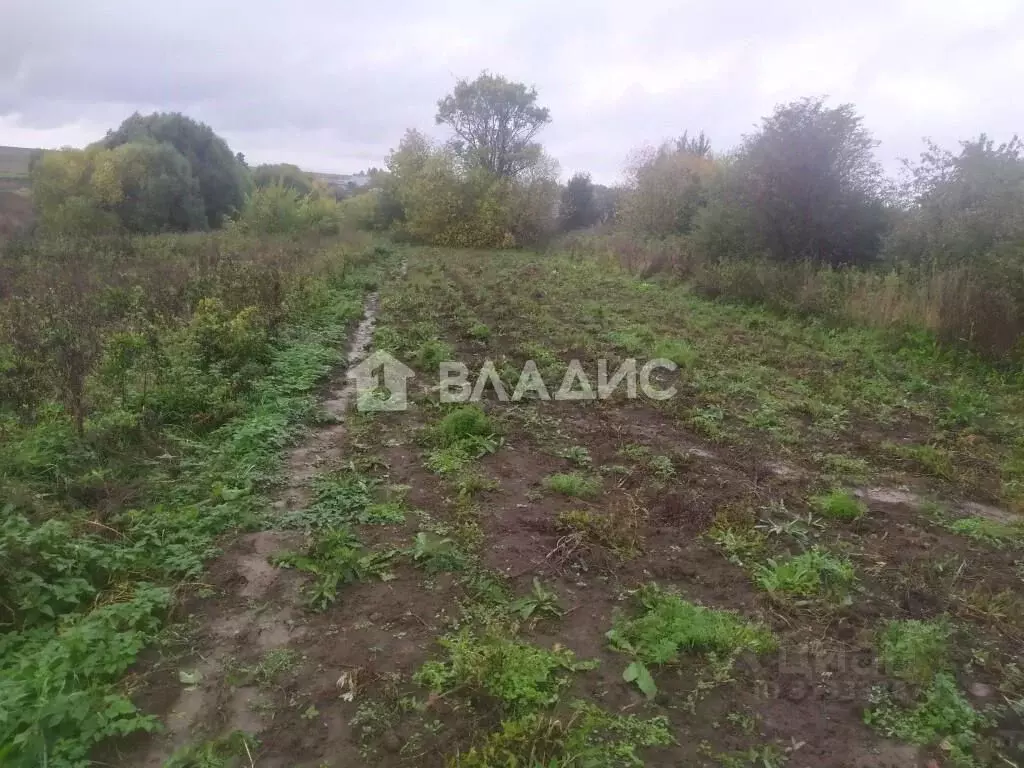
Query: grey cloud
(334, 85)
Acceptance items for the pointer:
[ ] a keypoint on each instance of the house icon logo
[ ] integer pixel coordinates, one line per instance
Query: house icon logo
(380, 383)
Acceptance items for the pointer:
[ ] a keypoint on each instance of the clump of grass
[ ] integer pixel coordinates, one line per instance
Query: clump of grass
(588, 737)
(617, 530)
(634, 452)
(573, 484)
(522, 677)
(850, 468)
(942, 716)
(739, 544)
(267, 671)
(469, 484)
(662, 467)
(578, 455)
(839, 505)
(989, 532)
(678, 351)
(335, 558)
(670, 625)
(479, 331)
(915, 650)
(231, 751)
(933, 459)
(432, 353)
(465, 422)
(466, 433)
(813, 573)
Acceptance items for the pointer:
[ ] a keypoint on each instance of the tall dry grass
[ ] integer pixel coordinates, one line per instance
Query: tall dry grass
(980, 305)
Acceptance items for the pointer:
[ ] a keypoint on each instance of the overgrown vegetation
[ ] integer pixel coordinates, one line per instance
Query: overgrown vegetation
(335, 558)
(148, 387)
(670, 625)
(519, 676)
(941, 716)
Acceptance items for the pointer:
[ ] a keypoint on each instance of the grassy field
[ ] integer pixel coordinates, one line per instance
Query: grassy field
(811, 556)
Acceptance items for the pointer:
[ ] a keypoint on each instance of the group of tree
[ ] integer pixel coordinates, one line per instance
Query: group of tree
(155, 173)
(489, 185)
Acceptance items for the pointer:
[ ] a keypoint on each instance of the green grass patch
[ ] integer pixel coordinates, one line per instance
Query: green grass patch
(464, 434)
(811, 574)
(236, 750)
(987, 531)
(587, 736)
(839, 505)
(669, 626)
(573, 484)
(915, 650)
(520, 676)
(479, 331)
(942, 717)
(431, 353)
(678, 351)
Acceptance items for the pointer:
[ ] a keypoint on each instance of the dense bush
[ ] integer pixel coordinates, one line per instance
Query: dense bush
(665, 189)
(285, 175)
(222, 178)
(163, 173)
(280, 209)
(430, 196)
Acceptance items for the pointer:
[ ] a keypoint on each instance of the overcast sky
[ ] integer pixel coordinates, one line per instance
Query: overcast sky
(332, 84)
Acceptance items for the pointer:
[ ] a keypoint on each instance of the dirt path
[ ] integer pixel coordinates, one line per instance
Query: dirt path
(257, 611)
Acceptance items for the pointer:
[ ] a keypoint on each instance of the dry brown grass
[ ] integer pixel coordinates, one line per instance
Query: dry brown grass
(980, 306)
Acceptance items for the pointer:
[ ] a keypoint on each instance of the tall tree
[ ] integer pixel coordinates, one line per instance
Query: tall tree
(577, 209)
(496, 122)
(811, 185)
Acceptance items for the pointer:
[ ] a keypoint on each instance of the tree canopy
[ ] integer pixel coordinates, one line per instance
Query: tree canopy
(222, 178)
(283, 174)
(495, 122)
(810, 185)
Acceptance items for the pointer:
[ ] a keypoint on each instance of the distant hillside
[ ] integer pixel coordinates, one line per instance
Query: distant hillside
(14, 162)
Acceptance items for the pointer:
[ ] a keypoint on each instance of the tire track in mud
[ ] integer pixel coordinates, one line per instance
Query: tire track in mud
(237, 621)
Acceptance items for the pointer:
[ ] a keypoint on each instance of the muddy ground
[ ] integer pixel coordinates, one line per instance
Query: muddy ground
(338, 699)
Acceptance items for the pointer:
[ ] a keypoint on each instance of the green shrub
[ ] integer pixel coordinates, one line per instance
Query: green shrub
(465, 422)
(915, 650)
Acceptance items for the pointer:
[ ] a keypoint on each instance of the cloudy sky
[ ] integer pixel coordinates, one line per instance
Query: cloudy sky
(332, 84)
